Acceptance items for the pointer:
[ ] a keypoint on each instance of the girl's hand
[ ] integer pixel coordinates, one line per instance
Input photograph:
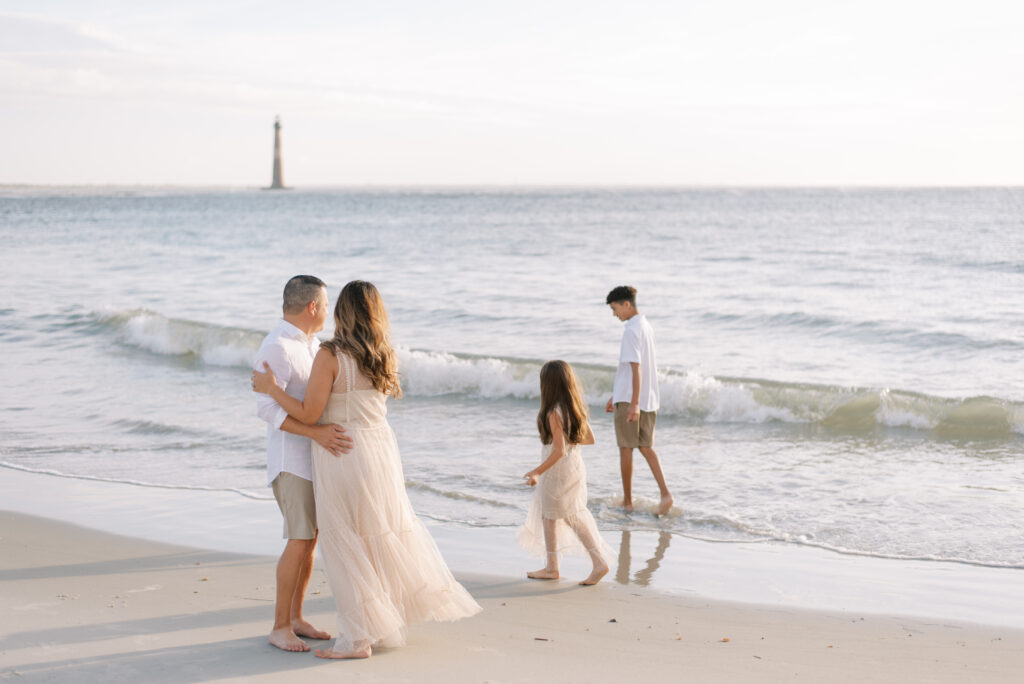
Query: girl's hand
(531, 478)
(263, 382)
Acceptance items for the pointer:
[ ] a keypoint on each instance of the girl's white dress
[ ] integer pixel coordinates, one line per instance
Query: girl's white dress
(561, 495)
(383, 567)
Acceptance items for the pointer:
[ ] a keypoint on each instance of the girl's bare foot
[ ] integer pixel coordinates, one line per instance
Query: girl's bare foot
(599, 571)
(330, 653)
(544, 573)
(303, 628)
(286, 640)
(666, 504)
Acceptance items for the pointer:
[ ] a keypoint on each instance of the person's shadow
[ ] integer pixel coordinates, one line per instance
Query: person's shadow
(642, 577)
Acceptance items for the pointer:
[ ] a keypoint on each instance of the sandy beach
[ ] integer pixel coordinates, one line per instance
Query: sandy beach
(82, 605)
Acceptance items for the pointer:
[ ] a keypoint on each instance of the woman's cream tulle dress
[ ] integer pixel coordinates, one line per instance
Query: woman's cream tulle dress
(384, 569)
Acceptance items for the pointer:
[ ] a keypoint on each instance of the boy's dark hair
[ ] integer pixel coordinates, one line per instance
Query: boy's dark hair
(299, 291)
(623, 293)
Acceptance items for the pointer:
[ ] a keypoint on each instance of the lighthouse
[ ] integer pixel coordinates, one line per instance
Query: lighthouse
(278, 182)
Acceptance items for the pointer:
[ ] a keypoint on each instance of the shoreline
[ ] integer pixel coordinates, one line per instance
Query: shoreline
(766, 574)
(93, 606)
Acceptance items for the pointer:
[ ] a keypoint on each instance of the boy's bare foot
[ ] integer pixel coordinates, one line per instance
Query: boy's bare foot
(330, 653)
(304, 629)
(666, 504)
(286, 640)
(599, 571)
(543, 574)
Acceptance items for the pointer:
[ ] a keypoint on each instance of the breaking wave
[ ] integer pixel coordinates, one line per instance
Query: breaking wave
(689, 395)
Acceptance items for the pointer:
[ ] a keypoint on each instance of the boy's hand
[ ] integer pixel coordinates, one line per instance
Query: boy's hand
(634, 413)
(531, 478)
(609, 407)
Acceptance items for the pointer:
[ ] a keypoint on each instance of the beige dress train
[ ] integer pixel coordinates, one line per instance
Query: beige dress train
(383, 567)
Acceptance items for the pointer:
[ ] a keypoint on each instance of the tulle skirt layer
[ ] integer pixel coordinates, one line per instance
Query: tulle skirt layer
(383, 567)
(561, 496)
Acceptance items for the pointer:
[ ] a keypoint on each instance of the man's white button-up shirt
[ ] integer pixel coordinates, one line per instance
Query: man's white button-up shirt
(289, 352)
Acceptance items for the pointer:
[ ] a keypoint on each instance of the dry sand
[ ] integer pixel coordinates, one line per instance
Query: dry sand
(86, 606)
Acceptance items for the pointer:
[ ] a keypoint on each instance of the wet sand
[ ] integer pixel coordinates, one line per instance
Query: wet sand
(83, 605)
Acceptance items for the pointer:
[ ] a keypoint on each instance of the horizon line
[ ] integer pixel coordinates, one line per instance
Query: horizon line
(529, 186)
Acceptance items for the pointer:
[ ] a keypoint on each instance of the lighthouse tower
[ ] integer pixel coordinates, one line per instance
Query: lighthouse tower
(278, 182)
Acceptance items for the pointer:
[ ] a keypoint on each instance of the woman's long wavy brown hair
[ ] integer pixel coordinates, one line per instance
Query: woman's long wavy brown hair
(361, 331)
(560, 389)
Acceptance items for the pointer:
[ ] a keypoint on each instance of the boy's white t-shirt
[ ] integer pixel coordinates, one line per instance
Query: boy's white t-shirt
(637, 347)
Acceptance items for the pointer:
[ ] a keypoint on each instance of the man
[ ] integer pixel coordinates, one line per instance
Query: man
(635, 396)
(289, 350)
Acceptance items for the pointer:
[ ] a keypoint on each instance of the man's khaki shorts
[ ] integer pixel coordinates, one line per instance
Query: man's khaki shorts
(638, 434)
(294, 496)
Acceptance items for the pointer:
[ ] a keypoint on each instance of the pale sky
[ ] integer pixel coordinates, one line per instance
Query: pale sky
(733, 92)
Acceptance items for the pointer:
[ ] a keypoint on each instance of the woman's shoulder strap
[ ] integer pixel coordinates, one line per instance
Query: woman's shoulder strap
(350, 372)
(341, 369)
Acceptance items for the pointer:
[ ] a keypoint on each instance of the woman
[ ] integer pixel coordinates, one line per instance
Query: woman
(384, 569)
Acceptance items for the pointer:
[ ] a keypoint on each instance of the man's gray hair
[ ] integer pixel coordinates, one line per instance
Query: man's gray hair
(300, 291)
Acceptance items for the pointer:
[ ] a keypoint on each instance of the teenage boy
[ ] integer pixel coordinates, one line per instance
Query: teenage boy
(634, 398)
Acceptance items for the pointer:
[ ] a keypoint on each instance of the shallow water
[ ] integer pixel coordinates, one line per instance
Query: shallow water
(841, 368)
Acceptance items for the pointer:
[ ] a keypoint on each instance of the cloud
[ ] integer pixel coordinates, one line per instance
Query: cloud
(69, 60)
(29, 36)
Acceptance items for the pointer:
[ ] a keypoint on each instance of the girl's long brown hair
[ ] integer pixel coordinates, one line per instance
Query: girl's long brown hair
(560, 389)
(361, 330)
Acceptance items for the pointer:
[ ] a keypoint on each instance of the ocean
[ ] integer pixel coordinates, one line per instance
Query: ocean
(840, 368)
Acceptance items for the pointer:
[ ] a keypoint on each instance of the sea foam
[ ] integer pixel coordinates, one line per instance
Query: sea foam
(689, 394)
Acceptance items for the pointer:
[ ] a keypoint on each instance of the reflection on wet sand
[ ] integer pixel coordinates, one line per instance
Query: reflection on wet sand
(642, 577)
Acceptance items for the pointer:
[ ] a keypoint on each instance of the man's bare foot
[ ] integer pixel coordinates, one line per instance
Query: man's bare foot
(627, 506)
(304, 629)
(286, 640)
(330, 653)
(544, 573)
(666, 504)
(599, 571)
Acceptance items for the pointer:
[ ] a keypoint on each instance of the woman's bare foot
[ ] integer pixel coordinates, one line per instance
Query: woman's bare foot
(543, 573)
(666, 504)
(627, 506)
(330, 653)
(286, 640)
(599, 571)
(304, 629)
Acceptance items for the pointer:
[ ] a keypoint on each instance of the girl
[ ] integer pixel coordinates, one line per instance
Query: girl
(560, 501)
(383, 567)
